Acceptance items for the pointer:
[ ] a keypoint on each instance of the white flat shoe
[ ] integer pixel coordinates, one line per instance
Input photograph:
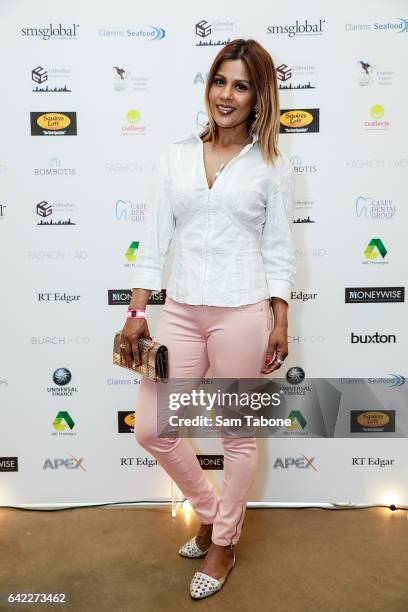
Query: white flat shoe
(191, 550)
(203, 585)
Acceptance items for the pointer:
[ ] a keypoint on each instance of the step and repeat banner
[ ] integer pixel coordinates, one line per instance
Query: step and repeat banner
(92, 93)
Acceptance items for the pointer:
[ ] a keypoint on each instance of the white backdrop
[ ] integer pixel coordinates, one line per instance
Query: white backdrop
(149, 60)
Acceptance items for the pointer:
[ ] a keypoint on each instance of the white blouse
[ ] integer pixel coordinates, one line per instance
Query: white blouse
(233, 242)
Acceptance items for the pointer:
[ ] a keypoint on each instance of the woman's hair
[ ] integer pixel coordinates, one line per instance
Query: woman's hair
(262, 73)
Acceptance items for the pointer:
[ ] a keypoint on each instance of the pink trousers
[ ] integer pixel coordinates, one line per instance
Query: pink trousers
(233, 341)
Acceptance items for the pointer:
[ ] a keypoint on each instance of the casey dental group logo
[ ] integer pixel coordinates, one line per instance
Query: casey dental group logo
(126, 210)
(367, 207)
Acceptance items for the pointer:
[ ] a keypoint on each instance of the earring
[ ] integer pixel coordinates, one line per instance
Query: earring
(256, 111)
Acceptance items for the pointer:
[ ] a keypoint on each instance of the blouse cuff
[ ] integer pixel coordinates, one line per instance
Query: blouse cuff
(280, 289)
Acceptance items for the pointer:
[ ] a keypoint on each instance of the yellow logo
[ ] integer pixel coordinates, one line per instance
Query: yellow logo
(133, 116)
(373, 419)
(130, 419)
(296, 118)
(377, 111)
(53, 121)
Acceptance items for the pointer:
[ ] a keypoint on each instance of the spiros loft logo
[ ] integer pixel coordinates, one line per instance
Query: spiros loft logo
(374, 295)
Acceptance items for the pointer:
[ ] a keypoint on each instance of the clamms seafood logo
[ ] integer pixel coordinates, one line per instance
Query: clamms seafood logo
(299, 120)
(146, 33)
(370, 73)
(56, 32)
(367, 207)
(214, 33)
(398, 25)
(368, 421)
(53, 80)
(298, 76)
(133, 127)
(124, 79)
(299, 28)
(377, 112)
(53, 124)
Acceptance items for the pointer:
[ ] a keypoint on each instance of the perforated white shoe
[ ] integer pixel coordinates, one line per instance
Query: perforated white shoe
(191, 550)
(203, 585)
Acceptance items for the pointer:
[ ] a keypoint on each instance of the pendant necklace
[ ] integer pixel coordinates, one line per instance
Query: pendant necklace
(222, 166)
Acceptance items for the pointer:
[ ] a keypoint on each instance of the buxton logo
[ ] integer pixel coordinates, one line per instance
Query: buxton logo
(53, 124)
(299, 120)
(368, 295)
(374, 339)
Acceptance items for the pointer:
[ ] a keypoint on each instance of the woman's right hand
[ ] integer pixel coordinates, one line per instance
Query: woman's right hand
(132, 331)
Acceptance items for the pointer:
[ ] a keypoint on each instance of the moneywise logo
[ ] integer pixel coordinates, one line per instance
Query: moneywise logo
(375, 248)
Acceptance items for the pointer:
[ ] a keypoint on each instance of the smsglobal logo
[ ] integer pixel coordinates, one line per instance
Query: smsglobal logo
(367, 207)
(52, 31)
(299, 28)
(370, 295)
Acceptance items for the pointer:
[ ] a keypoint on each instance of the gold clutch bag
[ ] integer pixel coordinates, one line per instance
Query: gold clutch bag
(153, 358)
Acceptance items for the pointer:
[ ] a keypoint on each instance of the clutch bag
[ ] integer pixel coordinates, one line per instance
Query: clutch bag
(153, 358)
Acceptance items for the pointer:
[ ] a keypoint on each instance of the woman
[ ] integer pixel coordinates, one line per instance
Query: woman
(225, 194)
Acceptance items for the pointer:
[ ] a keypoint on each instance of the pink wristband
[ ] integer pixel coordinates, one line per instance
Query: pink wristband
(136, 314)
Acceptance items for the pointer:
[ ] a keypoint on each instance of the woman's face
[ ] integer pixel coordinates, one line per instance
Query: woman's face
(231, 95)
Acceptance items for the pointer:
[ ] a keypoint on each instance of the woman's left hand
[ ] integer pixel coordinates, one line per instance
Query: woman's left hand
(277, 349)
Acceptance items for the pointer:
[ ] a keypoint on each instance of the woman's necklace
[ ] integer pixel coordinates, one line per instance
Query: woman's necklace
(222, 166)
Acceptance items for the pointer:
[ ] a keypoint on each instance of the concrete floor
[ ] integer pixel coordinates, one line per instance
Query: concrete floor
(125, 559)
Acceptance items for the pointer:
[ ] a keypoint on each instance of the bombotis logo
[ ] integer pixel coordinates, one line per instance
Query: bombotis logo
(8, 464)
(147, 33)
(302, 462)
(62, 376)
(131, 252)
(54, 169)
(377, 113)
(52, 31)
(295, 375)
(369, 421)
(126, 421)
(53, 124)
(374, 295)
(132, 128)
(375, 248)
(298, 120)
(61, 462)
(298, 28)
(211, 462)
(300, 168)
(370, 208)
(61, 422)
(376, 338)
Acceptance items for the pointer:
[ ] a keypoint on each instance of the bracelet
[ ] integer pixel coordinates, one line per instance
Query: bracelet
(136, 314)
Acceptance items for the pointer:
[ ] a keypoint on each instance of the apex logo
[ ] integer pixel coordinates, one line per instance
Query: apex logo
(301, 462)
(374, 339)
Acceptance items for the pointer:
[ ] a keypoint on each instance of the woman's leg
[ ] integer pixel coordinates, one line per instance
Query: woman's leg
(236, 348)
(178, 330)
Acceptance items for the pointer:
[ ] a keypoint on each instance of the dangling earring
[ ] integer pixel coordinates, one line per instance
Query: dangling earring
(256, 111)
